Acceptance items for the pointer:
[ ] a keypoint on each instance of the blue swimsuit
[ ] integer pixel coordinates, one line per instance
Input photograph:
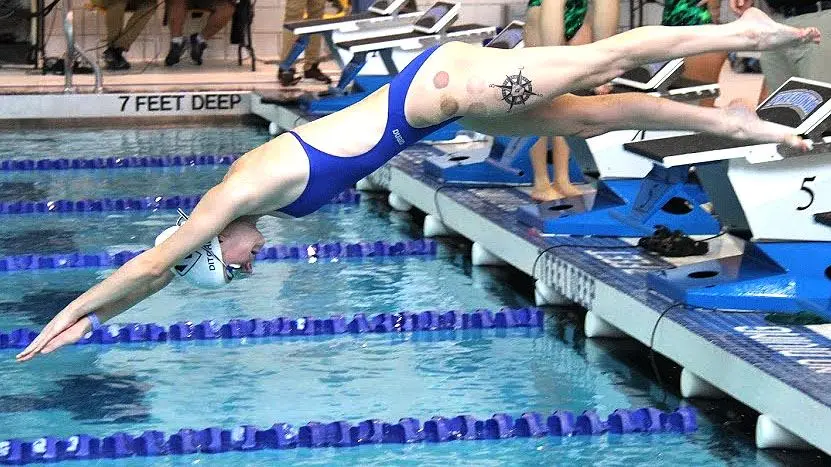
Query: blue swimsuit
(330, 175)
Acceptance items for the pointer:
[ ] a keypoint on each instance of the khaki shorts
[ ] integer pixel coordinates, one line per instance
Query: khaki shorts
(805, 61)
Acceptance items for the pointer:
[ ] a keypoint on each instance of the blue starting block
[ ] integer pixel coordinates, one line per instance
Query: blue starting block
(782, 276)
(787, 265)
(505, 162)
(633, 195)
(627, 208)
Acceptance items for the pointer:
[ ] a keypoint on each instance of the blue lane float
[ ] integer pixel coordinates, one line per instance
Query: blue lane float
(236, 329)
(130, 162)
(270, 253)
(342, 434)
(145, 203)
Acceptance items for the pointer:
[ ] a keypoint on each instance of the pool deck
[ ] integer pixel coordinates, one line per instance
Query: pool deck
(789, 386)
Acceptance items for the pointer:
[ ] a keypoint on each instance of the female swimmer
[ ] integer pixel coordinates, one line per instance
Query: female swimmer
(494, 91)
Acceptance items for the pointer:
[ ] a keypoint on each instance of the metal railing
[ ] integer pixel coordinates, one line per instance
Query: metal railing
(73, 52)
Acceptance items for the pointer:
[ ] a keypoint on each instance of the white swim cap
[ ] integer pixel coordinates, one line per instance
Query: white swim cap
(202, 268)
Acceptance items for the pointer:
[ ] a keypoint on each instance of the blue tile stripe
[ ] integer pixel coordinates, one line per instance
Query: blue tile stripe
(308, 326)
(342, 434)
(127, 162)
(380, 248)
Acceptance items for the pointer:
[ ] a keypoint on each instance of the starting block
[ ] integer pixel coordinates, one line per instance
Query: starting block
(633, 195)
(785, 197)
(503, 161)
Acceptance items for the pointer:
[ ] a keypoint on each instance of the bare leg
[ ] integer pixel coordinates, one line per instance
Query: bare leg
(544, 26)
(481, 82)
(532, 27)
(219, 18)
(561, 153)
(542, 189)
(605, 15)
(552, 22)
(562, 179)
(176, 17)
(595, 115)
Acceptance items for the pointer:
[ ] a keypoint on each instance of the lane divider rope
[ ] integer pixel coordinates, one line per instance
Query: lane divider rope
(333, 250)
(342, 434)
(145, 203)
(308, 326)
(126, 162)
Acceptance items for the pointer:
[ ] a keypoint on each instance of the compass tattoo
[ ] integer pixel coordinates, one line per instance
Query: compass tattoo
(516, 89)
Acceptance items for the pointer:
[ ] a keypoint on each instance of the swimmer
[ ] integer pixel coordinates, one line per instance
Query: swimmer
(494, 91)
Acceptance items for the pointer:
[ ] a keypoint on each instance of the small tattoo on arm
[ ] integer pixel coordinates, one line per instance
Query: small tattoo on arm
(516, 89)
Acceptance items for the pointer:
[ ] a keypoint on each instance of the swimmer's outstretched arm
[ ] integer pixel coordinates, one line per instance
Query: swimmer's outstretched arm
(595, 115)
(483, 82)
(148, 272)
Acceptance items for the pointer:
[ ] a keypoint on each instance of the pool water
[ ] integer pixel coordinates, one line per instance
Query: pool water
(167, 386)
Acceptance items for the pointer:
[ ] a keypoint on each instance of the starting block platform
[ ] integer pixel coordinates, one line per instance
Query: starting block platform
(781, 371)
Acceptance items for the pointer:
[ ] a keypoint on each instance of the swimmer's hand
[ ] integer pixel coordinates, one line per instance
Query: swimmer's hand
(68, 326)
(744, 124)
(62, 330)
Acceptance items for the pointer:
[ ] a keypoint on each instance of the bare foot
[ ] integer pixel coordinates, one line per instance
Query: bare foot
(567, 189)
(767, 34)
(545, 193)
(746, 125)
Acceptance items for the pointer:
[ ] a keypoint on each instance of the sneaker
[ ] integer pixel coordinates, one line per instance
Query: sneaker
(287, 77)
(175, 54)
(197, 48)
(317, 75)
(115, 60)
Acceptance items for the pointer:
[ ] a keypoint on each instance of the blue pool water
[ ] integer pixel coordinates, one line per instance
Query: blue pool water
(102, 390)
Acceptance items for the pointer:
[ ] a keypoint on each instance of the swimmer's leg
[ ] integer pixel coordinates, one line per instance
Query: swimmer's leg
(482, 82)
(595, 115)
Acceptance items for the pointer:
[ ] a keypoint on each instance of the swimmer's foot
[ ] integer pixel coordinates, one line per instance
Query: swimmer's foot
(744, 124)
(567, 189)
(767, 34)
(545, 192)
